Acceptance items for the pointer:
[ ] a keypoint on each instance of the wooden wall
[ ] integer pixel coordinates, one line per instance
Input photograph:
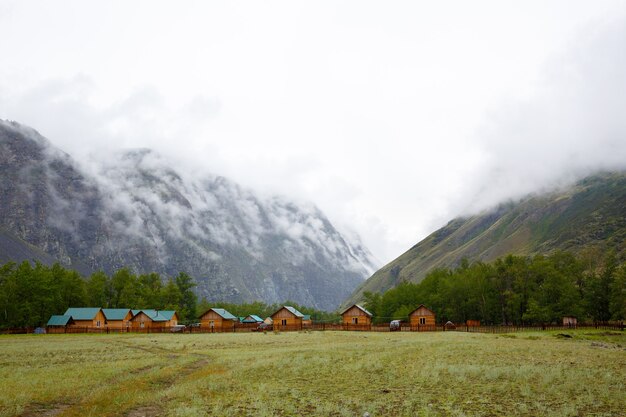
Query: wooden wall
(355, 312)
(292, 322)
(91, 323)
(219, 324)
(429, 318)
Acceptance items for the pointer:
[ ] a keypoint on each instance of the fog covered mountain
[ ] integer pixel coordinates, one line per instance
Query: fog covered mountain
(133, 209)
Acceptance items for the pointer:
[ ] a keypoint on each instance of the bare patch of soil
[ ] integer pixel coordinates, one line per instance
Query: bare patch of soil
(146, 411)
(44, 410)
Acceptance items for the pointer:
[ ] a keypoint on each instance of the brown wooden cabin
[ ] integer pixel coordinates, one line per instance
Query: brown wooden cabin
(287, 318)
(423, 319)
(150, 319)
(472, 323)
(570, 321)
(86, 317)
(218, 320)
(117, 318)
(356, 318)
(59, 324)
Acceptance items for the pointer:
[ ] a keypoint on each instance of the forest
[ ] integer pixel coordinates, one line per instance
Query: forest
(30, 294)
(514, 290)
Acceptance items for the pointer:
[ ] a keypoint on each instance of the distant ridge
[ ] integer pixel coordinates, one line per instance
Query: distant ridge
(590, 214)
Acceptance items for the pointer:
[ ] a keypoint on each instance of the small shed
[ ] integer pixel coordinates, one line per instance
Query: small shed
(268, 320)
(570, 321)
(86, 316)
(287, 318)
(58, 324)
(117, 318)
(306, 320)
(356, 317)
(450, 326)
(422, 319)
(218, 320)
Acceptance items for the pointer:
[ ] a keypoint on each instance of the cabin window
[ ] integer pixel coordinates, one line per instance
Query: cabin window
(211, 323)
(355, 320)
(422, 320)
(283, 322)
(141, 324)
(97, 323)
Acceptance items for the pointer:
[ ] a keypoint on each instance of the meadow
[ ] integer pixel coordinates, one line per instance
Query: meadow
(573, 373)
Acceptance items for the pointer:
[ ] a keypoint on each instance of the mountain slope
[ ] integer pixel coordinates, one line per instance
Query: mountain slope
(132, 209)
(590, 214)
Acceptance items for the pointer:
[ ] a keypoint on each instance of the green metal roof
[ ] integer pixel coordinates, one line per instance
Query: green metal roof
(115, 313)
(294, 311)
(157, 315)
(86, 313)
(222, 313)
(252, 318)
(306, 317)
(59, 320)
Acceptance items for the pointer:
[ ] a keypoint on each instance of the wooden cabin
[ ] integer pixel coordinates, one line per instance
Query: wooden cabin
(117, 318)
(356, 318)
(252, 319)
(287, 318)
(306, 320)
(422, 319)
(143, 319)
(218, 320)
(59, 324)
(86, 317)
(570, 321)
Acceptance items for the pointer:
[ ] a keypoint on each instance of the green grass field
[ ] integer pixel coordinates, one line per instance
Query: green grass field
(315, 374)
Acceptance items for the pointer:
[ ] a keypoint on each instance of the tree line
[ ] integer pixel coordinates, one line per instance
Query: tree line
(30, 294)
(514, 290)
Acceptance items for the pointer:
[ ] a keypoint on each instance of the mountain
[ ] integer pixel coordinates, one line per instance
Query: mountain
(590, 214)
(132, 209)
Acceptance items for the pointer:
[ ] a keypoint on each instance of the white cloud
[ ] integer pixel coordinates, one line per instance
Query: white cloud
(391, 117)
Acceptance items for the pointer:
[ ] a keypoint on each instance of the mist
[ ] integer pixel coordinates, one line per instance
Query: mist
(392, 121)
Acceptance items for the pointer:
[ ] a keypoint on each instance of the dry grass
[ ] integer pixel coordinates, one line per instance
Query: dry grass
(315, 374)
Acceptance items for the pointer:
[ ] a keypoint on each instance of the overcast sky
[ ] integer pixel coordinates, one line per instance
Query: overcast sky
(392, 117)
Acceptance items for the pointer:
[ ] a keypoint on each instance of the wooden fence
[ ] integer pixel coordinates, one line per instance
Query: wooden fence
(247, 327)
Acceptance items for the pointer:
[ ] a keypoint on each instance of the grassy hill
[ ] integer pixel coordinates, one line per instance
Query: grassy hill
(591, 214)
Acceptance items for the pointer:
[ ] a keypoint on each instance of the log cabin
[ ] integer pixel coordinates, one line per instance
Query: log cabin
(86, 317)
(287, 318)
(117, 318)
(423, 319)
(356, 317)
(153, 319)
(59, 324)
(218, 320)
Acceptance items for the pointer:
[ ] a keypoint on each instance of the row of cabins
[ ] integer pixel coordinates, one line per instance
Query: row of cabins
(286, 318)
(113, 318)
(358, 318)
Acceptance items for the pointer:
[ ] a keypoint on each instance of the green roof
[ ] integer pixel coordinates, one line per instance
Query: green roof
(59, 320)
(252, 318)
(115, 313)
(86, 313)
(306, 317)
(156, 315)
(222, 313)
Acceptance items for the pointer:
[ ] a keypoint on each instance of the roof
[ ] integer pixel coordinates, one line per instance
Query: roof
(86, 313)
(157, 315)
(359, 307)
(420, 306)
(59, 320)
(252, 318)
(306, 317)
(222, 313)
(291, 310)
(115, 313)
